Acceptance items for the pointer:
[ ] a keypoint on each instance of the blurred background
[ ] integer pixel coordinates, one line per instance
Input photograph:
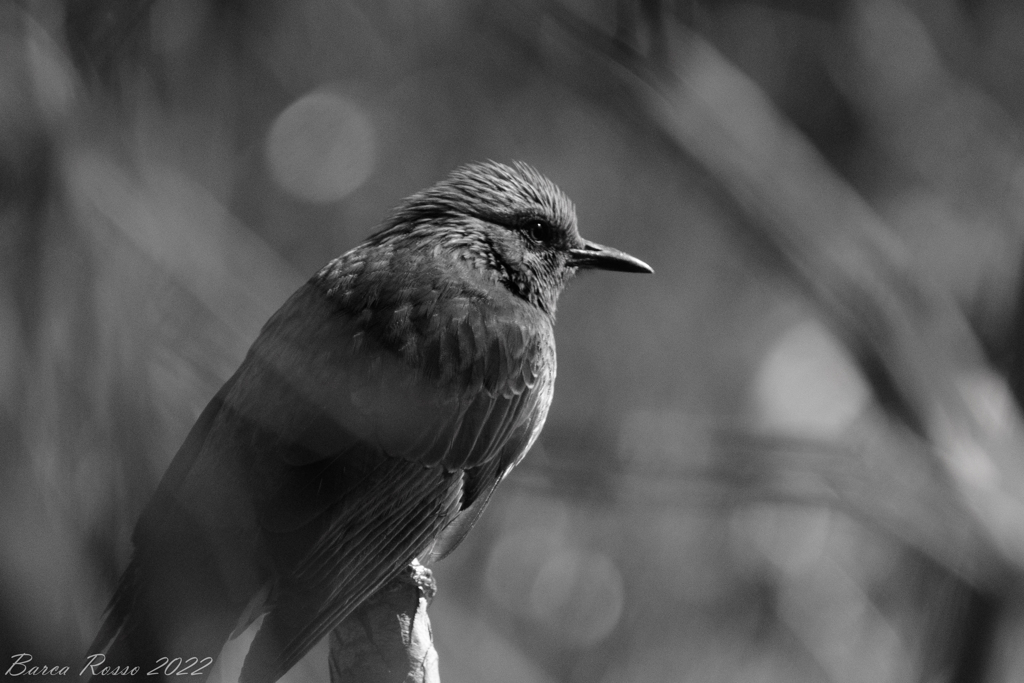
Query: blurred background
(796, 453)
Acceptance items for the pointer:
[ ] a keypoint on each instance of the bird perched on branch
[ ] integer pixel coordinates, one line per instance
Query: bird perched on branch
(368, 425)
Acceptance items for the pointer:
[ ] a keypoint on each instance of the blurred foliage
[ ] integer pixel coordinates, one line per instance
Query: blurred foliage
(795, 454)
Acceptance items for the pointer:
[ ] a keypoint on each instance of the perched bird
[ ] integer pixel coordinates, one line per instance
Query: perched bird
(368, 425)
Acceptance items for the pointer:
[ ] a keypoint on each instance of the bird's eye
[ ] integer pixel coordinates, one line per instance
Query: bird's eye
(539, 231)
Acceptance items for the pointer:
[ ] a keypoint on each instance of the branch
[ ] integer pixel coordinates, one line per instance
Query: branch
(388, 639)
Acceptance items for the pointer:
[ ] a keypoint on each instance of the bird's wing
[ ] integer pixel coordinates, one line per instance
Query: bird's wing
(349, 441)
(326, 392)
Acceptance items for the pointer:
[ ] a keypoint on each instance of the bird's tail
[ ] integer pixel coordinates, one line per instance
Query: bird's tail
(117, 611)
(122, 643)
(163, 623)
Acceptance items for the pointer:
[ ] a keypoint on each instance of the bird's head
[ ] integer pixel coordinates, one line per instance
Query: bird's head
(510, 223)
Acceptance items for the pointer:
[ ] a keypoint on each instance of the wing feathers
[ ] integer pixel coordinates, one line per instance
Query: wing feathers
(347, 441)
(385, 528)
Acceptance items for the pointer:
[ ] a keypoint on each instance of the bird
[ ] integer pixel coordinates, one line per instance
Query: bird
(367, 426)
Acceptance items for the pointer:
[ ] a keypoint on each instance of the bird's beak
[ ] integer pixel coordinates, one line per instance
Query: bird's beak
(593, 255)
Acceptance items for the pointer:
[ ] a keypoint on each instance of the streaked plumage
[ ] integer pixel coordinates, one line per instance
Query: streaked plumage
(368, 425)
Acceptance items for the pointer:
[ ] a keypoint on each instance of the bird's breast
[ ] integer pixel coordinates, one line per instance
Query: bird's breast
(453, 326)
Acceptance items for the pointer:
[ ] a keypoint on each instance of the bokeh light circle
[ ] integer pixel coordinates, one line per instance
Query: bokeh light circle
(321, 147)
(578, 594)
(575, 594)
(808, 384)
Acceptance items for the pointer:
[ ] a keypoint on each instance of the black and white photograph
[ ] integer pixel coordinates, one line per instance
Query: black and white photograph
(525, 341)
